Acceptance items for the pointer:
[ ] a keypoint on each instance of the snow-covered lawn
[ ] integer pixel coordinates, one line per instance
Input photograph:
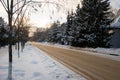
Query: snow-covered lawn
(34, 64)
(113, 53)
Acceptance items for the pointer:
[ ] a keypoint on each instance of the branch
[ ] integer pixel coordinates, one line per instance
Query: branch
(27, 3)
(21, 9)
(46, 2)
(23, 16)
(17, 3)
(8, 6)
(4, 5)
(11, 7)
(24, 4)
(38, 2)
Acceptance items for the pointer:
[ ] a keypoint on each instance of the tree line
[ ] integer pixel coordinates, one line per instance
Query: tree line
(16, 11)
(4, 34)
(88, 26)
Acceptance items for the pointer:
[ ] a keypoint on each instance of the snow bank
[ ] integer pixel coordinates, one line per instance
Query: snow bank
(112, 53)
(56, 45)
(34, 64)
(108, 51)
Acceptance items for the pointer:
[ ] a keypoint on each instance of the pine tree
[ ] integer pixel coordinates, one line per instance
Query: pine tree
(53, 33)
(3, 33)
(63, 31)
(70, 29)
(93, 22)
(79, 29)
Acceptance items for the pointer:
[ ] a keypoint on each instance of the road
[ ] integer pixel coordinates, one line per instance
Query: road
(90, 66)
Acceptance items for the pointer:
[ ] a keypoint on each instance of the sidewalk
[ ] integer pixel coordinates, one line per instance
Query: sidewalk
(34, 64)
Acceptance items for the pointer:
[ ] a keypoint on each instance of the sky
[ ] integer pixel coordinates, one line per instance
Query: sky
(49, 13)
(115, 3)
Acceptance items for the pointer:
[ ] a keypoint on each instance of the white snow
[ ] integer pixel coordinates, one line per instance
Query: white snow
(116, 23)
(112, 53)
(55, 45)
(34, 64)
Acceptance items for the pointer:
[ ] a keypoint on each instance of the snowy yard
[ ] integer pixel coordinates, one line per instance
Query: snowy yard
(112, 53)
(34, 64)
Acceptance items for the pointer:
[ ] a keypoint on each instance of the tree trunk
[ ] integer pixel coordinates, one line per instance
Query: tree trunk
(10, 15)
(10, 39)
(10, 48)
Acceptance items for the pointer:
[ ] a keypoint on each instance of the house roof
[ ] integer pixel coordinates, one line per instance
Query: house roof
(116, 23)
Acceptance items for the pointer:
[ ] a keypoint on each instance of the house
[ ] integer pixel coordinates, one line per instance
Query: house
(115, 38)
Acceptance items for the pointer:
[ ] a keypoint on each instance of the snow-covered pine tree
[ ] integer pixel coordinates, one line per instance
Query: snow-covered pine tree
(94, 22)
(53, 33)
(79, 29)
(69, 31)
(62, 31)
(3, 32)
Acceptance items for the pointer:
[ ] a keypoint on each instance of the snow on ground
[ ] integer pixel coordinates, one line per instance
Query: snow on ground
(56, 45)
(112, 53)
(107, 51)
(34, 64)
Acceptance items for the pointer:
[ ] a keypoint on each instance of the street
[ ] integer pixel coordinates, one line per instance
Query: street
(90, 66)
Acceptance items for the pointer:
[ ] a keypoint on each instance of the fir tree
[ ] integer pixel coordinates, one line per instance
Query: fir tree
(3, 33)
(79, 29)
(53, 32)
(93, 22)
(69, 32)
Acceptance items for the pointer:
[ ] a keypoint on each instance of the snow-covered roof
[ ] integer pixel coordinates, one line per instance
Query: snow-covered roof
(116, 24)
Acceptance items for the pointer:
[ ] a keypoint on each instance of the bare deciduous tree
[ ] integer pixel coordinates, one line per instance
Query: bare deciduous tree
(14, 8)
